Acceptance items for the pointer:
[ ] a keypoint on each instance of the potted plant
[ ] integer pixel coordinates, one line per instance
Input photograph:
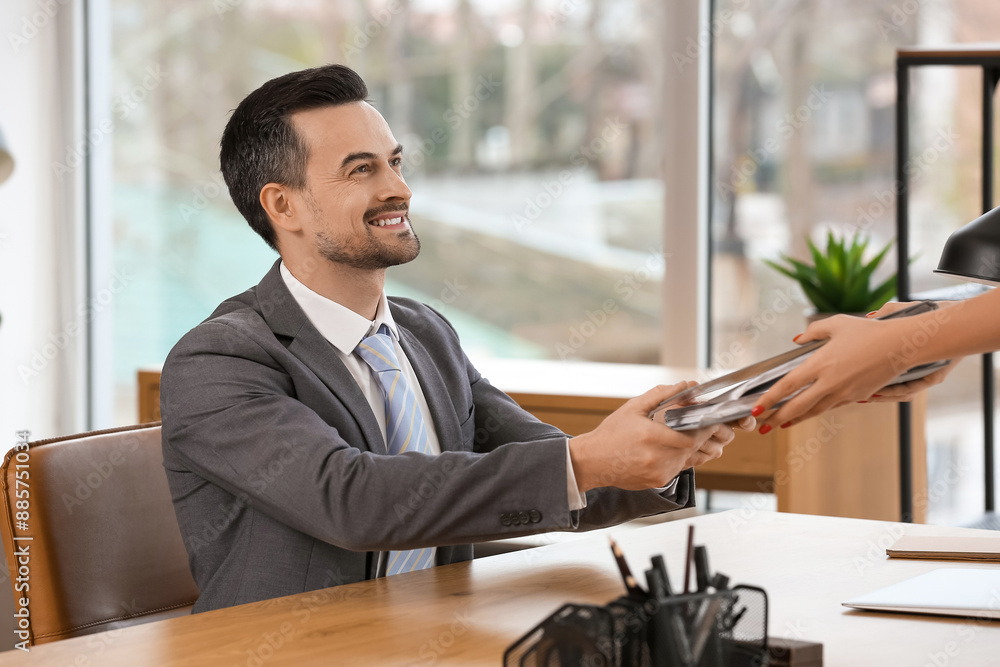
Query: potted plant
(839, 280)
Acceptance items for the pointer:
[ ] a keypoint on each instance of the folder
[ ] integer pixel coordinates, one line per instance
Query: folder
(981, 549)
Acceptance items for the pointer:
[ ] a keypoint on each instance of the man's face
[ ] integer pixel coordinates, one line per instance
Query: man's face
(356, 197)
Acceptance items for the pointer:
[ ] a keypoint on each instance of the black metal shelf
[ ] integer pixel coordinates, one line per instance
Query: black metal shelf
(987, 57)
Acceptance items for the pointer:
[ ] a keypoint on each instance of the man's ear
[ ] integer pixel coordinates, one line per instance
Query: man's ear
(281, 207)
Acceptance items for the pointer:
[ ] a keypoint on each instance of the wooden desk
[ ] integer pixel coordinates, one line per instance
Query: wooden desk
(468, 613)
(845, 463)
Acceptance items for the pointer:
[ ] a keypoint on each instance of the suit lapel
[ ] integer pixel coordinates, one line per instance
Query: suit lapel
(285, 318)
(434, 388)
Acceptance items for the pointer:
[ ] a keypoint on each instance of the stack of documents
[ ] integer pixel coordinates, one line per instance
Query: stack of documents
(732, 397)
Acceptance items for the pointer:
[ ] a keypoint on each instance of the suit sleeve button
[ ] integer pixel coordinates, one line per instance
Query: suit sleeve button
(523, 518)
(535, 516)
(505, 519)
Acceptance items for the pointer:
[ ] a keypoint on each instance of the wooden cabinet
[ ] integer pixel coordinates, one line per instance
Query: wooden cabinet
(149, 395)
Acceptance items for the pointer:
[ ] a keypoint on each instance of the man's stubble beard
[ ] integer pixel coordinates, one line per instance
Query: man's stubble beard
(371, 253)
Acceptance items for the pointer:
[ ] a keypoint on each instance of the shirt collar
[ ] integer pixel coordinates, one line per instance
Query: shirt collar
(340, 325)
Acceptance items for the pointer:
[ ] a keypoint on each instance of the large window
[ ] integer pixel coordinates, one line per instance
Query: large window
(804, 144)
(532, 149)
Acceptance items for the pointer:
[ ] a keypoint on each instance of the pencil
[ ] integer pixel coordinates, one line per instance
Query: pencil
(630, 583)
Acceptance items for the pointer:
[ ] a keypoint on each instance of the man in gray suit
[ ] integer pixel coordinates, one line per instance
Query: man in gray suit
(281, 412)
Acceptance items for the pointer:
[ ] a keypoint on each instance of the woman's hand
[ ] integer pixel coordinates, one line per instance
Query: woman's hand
(860, 359)
(907, 391)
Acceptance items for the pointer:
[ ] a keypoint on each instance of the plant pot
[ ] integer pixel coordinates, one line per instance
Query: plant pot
(812, 315)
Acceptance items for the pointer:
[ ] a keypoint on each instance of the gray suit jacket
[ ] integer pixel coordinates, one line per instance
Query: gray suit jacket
(279, 474)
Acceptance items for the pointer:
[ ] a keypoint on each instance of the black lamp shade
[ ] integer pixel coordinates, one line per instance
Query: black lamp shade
(974, 250)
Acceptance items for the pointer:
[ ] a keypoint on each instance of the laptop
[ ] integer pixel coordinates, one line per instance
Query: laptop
(951, 591)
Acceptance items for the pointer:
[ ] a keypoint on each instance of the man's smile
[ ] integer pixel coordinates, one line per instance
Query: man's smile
(393, 220)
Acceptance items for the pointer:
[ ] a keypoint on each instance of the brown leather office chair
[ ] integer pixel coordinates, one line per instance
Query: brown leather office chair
(105, 550)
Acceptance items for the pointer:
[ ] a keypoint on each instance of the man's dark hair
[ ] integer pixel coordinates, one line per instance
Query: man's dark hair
(260, 145)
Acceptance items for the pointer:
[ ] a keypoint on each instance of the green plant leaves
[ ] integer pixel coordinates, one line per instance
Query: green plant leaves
(839, 281)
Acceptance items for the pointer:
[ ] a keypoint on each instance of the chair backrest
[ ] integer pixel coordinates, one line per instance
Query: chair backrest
(104, 550)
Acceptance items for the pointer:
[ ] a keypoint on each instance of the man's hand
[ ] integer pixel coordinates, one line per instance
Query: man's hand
(630, 451)
(722, 437)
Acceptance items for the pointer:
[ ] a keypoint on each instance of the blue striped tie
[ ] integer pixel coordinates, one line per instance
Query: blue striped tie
(405, 430)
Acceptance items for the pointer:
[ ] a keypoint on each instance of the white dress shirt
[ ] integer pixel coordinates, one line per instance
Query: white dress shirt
(345, 329)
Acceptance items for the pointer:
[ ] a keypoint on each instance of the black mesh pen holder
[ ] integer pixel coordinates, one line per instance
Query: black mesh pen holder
(723, 628)
(719, 629)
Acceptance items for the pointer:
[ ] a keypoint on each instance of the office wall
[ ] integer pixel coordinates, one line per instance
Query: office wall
(41, 289)
(41, 340)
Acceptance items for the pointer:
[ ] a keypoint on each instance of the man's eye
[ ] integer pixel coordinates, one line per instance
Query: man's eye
(396, 161)
(361, 169)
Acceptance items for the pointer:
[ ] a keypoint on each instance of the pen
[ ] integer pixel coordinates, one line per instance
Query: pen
(735, 618)
(701, 568)
(631, 585)
(687, 560)
(705, 624)
(660, 565)
(728, 620)
(654, 583)
(669, 636)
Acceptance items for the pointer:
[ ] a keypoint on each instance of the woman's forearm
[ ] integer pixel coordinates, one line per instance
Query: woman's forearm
(963, 328)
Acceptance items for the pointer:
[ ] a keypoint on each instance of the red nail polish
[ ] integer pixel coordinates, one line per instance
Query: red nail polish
(765, 429)
(796, 339)
(876, 395)
(786, 424)
(871, 313)
(757, 410)
(862, 401)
